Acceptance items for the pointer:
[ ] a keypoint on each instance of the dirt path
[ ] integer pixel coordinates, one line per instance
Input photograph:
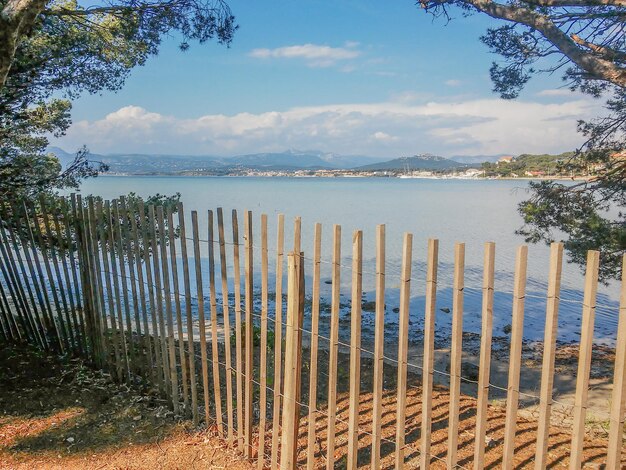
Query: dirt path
(58, 414)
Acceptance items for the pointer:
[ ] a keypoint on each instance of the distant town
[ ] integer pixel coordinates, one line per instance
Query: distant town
(293, 163)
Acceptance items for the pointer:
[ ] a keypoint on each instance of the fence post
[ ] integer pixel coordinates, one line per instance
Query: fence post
(290, 413)
(226, 316)
(429, 351)
(263, 346)
(217, 391)
(201, 322)
(403, 345)
(584, 358)
(334, 347)
(515, 357)
(154, 336)
(456, 353)
(188, 314)
(485, 356)
(355, 348)
(549, 351)
(168, 311)
(618, 397)
(116, 287)
(248, 334)
(278, 339)
(135, 213)
(156, 269)
(107, 279)
(315, 318)
(238, 343)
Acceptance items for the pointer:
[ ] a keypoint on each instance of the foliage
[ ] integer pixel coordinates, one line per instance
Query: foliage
(542, 165)
(68, 49)
(584, 40)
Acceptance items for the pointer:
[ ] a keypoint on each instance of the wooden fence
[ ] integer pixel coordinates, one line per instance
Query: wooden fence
(124, 285)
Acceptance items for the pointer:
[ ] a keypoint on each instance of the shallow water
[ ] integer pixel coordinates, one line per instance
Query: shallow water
(469, 211)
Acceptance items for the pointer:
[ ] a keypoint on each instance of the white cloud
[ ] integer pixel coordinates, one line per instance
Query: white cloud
(383, 137)
(453, 82)
(481, 126)
(314, 55)
(556, 92)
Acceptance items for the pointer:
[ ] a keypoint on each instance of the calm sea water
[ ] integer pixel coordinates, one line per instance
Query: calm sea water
(469, 211)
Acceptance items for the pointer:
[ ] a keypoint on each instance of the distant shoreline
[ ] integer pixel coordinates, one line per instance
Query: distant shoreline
(351, 176)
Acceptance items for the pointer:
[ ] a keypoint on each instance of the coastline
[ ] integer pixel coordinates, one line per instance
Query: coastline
(341, 176)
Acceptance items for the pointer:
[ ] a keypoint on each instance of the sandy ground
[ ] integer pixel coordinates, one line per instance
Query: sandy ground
(57, 413)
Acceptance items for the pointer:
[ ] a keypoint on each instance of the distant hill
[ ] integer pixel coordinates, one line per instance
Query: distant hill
(416, 162)
(173, 164)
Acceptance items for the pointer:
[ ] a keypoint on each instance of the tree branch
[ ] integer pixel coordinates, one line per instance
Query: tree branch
(597, 67)
(606, 52)
(576, 3)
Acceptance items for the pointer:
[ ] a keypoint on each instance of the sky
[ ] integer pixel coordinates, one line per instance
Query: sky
(352, 77)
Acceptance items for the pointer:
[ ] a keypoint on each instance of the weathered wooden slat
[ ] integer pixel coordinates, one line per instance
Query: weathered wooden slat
(63, 249)
(16, 287)
(403, 347)
(278, 339)
(119, 214)
(12, 286)
(289, 437)
(171, 343)
(515, 361)
(456, 352)
(315, 319)
(333, 349)
(201, 323)
(584, 359)
(152, 296)
(429, 351)
(549, 353)
(119, 334)
(37, 286)
(263, 346)
(99, 313)
(618, 396)
(226, 318)
(217, 390)
(158, 294)
(57, 271)
(106, 248)
(36, 319)
(355, 348)
(79, 269)
(188, 314)
(249, 292)
(84, 266)
(379, 347)
(88, 268)
(179, 316)
(135, 213)
(128, 214)
(238, 339)
(485, 356)
(80, 329)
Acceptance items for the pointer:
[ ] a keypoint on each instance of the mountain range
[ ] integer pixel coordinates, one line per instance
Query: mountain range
(289, 160)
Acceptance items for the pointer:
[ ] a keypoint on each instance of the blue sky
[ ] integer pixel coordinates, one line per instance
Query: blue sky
(374, 78)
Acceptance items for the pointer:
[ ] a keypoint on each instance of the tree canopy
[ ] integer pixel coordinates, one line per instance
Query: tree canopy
(52, 51)
(585, 41)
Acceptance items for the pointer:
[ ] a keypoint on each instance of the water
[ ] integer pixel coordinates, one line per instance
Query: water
(469, 211)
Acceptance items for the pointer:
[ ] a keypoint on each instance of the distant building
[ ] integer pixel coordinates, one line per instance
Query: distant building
(505, 159)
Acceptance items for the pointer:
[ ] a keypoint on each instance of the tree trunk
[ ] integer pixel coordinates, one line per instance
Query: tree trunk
(16, 19)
